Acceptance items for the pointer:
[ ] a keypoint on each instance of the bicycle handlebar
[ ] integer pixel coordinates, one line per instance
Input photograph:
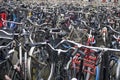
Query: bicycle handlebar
(11, 22)
(10, 34)
(77, 44)
(90, 47)
(115, 37)
(46, 43)
(1, 47)
(37, 24)
(28, 20)
(113, 30)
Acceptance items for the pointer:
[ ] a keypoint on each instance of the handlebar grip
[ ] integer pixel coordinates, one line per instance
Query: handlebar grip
(55, 30)
(40, 44)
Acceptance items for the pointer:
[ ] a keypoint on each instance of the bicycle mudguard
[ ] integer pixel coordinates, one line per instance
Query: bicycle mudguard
(97, 73)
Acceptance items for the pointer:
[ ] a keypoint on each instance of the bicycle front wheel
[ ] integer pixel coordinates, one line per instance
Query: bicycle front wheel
(38, 68)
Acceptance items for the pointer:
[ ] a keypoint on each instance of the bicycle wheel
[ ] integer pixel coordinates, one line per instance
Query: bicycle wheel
(74, 73)
(14, 72)
(4, 66)
(104, 67)
(114, 67)
(38, 68)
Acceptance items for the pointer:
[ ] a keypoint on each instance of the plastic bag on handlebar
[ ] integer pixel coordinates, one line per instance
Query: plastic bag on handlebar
(3, 15)
(12, 16)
